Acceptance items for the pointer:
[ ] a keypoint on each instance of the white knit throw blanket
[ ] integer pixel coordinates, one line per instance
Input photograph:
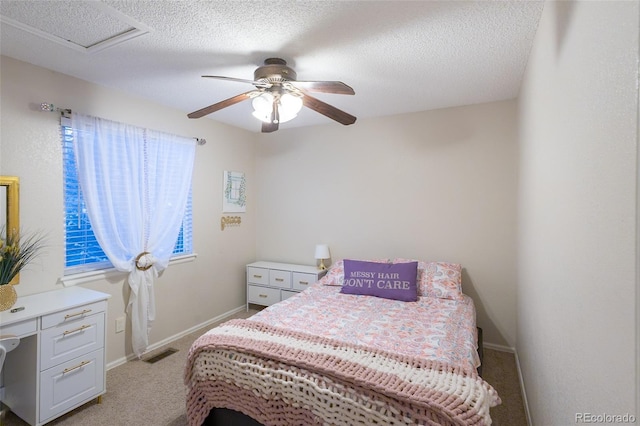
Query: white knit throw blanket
(283, 377)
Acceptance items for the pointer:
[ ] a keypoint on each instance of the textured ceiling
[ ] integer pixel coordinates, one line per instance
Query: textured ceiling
(398, 56)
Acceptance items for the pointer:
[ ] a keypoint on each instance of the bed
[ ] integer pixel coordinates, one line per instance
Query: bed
(345, 353)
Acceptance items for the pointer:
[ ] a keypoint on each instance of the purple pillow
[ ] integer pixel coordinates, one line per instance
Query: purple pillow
(389, 280)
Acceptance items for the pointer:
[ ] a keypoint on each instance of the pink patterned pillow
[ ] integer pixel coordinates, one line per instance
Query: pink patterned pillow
(335, 276)
(438, 279)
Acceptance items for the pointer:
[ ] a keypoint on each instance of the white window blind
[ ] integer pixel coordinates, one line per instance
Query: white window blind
(82, 251)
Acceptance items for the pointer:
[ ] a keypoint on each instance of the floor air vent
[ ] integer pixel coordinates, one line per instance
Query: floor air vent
(161, 355)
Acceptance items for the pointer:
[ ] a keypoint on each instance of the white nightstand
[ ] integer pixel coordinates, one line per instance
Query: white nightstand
(271, 282)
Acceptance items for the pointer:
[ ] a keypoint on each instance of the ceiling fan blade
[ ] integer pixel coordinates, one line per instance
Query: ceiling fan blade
(269, 127)
(336, 87)
(222, 104)
(241, 80)
(328, 110)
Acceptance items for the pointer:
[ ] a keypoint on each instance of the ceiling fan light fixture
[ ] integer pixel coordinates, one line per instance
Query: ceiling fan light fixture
(279, 97)
(263, 103)
(288, 107)
(262, 107)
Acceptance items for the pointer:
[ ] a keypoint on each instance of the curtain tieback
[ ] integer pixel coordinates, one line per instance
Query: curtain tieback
(143, 266)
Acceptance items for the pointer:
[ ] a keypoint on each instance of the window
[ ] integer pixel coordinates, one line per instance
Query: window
(82, 251)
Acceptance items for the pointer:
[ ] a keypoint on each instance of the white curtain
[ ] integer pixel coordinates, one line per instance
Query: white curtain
(136, 184)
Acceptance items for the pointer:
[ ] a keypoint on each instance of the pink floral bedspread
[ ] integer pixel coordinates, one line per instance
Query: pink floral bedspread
(443, 330)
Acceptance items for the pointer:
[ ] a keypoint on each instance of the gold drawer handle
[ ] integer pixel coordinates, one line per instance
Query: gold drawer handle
(263, 295)
(280, 279)
(82, 364)
(84, 327)
(85, 311)
(257, 276)
(304, 282)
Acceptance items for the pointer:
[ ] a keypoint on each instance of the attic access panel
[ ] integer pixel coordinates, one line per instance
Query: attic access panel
(85, 26)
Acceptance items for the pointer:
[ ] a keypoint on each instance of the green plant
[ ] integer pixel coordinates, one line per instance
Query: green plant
(16, 251)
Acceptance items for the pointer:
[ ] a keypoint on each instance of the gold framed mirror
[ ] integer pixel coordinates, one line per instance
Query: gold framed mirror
(10, 210)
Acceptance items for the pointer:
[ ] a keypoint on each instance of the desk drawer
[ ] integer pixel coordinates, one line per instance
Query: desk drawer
(69, 316)
(262, 295)
(279, 278)
(257, 275)
(67, 341)
(70, 384)
(20, 329)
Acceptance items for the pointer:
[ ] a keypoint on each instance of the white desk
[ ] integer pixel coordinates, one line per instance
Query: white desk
(60, 361)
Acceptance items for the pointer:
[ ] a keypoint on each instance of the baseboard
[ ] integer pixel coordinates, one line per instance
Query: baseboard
(527, 413)
(131, 357)
(509, 349)
(500, 348)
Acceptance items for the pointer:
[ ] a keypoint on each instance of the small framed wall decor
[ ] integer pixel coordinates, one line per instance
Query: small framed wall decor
(234, 193)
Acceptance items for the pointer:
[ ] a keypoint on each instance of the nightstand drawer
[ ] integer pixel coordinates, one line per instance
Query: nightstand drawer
(257, 275)
(285, 294)
(67, 341)
(279, 278)
(302, 281)
(262, 295)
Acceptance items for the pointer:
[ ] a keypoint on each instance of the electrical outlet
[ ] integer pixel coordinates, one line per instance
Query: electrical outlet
(119, 325)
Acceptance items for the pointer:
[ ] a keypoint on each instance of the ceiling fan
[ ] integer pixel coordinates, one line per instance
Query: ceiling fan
(278, 96)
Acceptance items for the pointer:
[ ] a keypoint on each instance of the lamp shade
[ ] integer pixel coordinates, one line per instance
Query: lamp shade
(322, 251)
(262, 106)
(290, 106)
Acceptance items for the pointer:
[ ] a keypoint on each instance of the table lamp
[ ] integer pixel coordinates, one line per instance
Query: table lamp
(322, 253)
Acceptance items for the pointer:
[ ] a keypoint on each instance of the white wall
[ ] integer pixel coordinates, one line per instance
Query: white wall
(437, 185)
(186, 294)
(577, 248)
